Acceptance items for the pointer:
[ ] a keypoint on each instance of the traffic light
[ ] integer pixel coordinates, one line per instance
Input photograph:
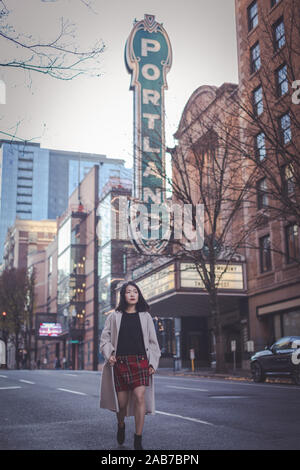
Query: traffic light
(3, 315)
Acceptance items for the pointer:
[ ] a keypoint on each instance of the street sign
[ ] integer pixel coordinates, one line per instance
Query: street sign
(233, 346)
(192, 354)
(192, 358)
(2, 353)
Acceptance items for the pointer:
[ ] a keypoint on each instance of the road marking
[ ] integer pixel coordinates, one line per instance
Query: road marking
(71, 391)
(26, 381)
(72, 375)
(3, 376)
(8, 388)
(188, 388)
(184, 417)
(227, 396)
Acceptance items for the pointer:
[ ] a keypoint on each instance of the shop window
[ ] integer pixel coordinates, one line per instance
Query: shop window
(291, 323)
(165, 334)
(277, 327)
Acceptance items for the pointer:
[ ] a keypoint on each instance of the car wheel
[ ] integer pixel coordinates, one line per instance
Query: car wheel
(257, 373)
(296, 376)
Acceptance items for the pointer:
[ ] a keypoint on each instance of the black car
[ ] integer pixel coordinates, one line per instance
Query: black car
(281, 359)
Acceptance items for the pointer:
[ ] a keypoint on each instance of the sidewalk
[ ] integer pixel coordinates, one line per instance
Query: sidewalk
(238, 374)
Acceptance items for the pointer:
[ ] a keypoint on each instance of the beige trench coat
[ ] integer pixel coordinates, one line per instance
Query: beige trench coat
(108, 344)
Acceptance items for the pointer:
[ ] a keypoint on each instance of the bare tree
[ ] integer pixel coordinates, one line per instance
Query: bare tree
(208, 170)
(270, 113)
(29, 314)
(60, 58)
(13, 294)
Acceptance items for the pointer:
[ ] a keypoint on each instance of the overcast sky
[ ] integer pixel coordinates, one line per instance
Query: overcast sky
(95, 114)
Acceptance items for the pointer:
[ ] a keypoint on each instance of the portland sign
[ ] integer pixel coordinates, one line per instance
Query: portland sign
(148, 57)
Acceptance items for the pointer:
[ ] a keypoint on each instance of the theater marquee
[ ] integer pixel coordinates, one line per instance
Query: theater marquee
(227, 277)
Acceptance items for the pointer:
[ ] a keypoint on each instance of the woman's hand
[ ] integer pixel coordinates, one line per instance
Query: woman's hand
(151, 370)
(112, 360)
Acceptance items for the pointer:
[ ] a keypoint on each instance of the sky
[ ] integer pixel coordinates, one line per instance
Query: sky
(95, 113)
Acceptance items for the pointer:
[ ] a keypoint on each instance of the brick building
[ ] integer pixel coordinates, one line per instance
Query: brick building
(24, 237)
(268, 37)
(263, 127)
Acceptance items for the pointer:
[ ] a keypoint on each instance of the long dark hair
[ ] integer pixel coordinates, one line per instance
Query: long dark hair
(141, 305)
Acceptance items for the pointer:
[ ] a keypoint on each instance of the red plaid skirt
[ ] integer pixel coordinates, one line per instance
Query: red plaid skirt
(131, 371)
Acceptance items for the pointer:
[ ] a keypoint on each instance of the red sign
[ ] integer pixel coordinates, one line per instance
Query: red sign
(50, 329)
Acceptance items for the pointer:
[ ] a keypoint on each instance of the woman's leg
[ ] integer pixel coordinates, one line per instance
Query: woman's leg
(140, 408)
(123, 400)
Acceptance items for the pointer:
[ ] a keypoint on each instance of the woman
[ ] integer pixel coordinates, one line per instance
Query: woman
(129, 345)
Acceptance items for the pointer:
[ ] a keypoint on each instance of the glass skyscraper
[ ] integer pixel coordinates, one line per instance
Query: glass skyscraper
(35, 183)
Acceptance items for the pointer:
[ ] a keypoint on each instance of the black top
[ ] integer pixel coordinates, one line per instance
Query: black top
(130, 339)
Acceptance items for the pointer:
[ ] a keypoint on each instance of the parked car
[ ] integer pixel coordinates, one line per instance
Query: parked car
(281, 359)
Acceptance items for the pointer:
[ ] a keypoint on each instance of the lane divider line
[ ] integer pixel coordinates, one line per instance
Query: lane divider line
(71, 391)
(8, 388)
(188, 388)
(195, 420)
(26, 381)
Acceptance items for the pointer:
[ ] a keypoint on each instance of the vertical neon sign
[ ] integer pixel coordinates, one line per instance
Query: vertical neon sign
(149, 59)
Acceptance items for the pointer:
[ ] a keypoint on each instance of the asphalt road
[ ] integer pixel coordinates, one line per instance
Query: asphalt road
(59, 410)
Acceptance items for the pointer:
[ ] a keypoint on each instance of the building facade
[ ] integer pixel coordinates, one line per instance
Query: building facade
(70, 277)
(24, 237)
(263, 128)
(171, 284)
(268, 37)
(35, 183)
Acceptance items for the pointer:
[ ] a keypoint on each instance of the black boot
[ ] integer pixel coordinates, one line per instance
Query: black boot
(138, 442)
(121, 434)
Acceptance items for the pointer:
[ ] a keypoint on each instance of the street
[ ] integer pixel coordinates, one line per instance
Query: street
(59, 409)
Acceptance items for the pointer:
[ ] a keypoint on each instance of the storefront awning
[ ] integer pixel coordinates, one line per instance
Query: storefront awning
(278, 307)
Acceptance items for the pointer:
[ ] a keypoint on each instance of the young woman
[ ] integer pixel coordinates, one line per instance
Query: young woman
(129, 345)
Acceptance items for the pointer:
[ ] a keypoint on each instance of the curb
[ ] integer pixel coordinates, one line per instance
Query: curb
(246, 377)
(199, 374)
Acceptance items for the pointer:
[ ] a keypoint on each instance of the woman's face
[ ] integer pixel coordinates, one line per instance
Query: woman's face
(131, 295)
